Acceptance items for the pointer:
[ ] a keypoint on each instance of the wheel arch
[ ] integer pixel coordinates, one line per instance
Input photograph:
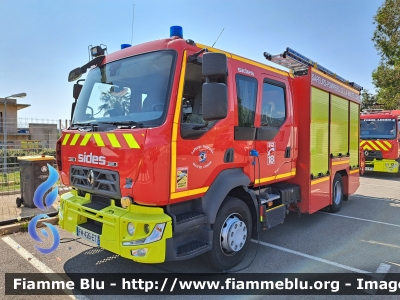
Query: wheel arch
(231, 182)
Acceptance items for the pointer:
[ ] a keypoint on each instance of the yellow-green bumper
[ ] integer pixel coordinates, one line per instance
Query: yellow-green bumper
(114, 220)
(384, 165)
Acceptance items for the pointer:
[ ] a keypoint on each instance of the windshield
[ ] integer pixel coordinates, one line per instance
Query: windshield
(378, 129)
(134, 89)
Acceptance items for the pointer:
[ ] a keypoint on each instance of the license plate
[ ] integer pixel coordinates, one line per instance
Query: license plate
(88, 235)
(369, 168)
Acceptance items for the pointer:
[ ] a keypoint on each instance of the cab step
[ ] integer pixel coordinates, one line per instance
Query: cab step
(191, 247)
(188, 220)
(188, 216)
(189, 244)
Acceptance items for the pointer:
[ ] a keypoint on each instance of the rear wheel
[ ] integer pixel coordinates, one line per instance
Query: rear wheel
(232, 232)
(337, 193)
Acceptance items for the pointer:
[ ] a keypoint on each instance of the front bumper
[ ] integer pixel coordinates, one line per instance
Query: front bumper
(384, 165)
(112, 223)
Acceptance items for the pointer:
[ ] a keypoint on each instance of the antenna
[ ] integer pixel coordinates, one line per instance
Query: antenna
(218, 37)
(133, 19)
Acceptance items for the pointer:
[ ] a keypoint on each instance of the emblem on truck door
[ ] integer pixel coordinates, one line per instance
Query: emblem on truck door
(202, 153)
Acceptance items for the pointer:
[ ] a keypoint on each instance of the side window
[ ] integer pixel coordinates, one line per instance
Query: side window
(193, 126)
(273, 109)
(246, 96)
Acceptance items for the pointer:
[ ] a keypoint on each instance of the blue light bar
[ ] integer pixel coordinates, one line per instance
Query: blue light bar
(176, 31)
(123, 46)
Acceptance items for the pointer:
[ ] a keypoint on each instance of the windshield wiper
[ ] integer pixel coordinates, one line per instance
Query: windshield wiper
(129, 124)
(83, 126)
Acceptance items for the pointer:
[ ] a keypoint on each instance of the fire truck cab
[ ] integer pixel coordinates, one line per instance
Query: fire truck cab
(379, 139)
(177, 149)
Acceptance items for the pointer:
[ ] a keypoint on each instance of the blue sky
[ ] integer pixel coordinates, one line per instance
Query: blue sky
(43, 40)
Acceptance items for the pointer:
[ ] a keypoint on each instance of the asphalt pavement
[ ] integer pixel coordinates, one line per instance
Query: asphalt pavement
(363, 237)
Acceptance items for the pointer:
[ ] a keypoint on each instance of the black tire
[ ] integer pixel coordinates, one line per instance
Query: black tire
(232, 217)
(337, 193)
(18, 201)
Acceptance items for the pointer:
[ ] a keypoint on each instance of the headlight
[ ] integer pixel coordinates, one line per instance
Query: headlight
(126, 201)
(131, 228)
(155, 236)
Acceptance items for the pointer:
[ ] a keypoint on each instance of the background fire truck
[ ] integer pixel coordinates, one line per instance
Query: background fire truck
(177, 149)
(380, 140)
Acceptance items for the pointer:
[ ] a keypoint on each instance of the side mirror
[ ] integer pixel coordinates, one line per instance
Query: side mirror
(75, 74)
(215, 101)
(215, 94)
(214, 64)
(77, 90)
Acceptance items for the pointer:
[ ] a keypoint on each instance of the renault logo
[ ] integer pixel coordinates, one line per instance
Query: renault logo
(90, 177)
(366, 153)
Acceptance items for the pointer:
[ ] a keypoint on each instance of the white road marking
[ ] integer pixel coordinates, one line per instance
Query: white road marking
(379, 275)
(35, 262)
(389, 186)
(313, 257)
(383, 268)
(359, 219)
(373, 198)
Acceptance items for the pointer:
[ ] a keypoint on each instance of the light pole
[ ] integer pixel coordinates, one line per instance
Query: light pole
(20, 95)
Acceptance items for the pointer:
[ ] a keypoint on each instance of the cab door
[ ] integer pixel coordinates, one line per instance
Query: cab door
(274, 134)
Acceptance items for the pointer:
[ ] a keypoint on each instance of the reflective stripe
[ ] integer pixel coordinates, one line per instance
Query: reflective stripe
(98, 139)
(189, 193)
(131, 140)
(175, 126)
(376, 145)
(65, 140)
(320, 180)
(381, 145)
(340, 162)
(113, 140)
(86, 139)
(388, 144)
(75, 139)
(284, 175)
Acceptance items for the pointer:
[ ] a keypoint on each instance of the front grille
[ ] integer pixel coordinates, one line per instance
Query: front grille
(96, 181)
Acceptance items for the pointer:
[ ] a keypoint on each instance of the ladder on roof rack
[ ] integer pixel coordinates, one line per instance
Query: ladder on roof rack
(287, 62)
(299, 63)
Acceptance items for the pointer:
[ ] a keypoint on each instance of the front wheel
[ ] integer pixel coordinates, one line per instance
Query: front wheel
(232, 232)
(337, 193)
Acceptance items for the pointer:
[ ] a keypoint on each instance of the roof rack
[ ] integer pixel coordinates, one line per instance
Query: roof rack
(299, 63)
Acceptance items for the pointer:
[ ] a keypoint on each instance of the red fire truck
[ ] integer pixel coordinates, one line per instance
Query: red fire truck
(380, 140)
(178, 149)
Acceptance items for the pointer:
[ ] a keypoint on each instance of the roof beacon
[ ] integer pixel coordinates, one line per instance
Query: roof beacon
(176, 31)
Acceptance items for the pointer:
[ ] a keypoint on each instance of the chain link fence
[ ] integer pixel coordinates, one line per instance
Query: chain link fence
(23, 137)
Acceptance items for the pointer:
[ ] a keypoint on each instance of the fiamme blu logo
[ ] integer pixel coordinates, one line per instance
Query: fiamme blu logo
(38, 198)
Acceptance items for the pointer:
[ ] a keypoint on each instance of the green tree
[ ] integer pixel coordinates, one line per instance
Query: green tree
(368, 100)
(386, 77)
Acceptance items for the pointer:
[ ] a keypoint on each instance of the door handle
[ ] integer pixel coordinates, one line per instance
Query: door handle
(287, 152)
